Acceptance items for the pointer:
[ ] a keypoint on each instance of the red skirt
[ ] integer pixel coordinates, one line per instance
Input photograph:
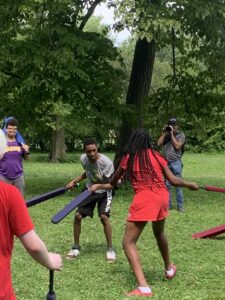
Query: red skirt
(149, 206)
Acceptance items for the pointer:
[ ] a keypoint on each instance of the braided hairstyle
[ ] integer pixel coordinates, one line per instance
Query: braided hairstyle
(137, 147)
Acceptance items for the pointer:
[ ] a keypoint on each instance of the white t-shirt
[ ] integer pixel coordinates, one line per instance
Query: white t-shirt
(99, 171)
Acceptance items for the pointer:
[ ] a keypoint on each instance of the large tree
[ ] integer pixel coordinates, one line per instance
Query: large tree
(55, 74)
(198, 27)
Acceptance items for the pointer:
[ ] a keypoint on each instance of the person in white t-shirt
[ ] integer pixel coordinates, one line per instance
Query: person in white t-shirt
(97, 169)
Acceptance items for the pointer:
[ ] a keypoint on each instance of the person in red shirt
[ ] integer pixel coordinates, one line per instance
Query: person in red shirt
(145, 168)
(15, 221)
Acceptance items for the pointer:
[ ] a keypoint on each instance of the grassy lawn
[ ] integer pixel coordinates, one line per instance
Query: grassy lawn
(201, 266)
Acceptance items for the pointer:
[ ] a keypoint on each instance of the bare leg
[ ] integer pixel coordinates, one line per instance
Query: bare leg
(77, 228)
(158, 230)
(107, 230)
(132, 232)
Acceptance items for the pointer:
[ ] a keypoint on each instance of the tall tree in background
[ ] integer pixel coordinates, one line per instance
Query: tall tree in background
(135, 15)
(138, 90)
(199, 27)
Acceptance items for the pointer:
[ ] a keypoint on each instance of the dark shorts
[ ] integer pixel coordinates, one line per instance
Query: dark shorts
(102, 200)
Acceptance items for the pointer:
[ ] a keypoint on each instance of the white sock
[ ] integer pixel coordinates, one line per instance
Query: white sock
(145, 289)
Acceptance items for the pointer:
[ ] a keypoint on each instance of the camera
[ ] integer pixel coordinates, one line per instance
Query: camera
(168, 128)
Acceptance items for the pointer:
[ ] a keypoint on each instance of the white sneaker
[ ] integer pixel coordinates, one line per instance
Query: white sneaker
(111, 255)
(73, 253)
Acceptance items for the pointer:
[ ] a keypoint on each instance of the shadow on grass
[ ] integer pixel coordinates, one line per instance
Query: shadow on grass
(90, 248)
(220, 238)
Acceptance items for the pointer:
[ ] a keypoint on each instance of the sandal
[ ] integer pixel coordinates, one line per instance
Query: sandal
(139, 293)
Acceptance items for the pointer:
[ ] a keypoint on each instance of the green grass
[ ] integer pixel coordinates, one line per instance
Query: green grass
(200, 263)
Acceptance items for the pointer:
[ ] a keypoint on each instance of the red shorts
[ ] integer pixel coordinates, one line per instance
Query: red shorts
(149, 206)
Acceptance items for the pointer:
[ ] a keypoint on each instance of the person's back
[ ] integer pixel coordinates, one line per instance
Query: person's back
(144, 167)
(139, 179)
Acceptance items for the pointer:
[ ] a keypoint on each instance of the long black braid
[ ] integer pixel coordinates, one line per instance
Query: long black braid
(137, 146)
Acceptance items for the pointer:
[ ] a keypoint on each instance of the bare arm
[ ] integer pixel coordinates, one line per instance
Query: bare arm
(97, 186)
(112, 182)
(38, 251)
(176, 181)
(177, 145)
(119, 173)
(26, 151)
(77, 179)
(161, 138)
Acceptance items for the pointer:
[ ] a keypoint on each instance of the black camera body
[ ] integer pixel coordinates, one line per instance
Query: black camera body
(168, 128)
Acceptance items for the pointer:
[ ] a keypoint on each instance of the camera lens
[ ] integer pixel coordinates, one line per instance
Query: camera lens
(168, 128)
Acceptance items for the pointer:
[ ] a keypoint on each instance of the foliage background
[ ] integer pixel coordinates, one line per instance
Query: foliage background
(59, 70)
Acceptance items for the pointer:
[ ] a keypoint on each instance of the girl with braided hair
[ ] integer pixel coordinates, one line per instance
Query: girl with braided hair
(145, 168)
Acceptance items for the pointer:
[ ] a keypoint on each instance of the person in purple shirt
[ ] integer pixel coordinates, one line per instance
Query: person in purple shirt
(11, 165)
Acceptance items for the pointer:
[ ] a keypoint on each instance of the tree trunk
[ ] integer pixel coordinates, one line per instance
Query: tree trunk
(57, 152)
(138, 90)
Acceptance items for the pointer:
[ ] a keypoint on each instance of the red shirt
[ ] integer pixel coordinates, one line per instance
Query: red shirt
(158, 164)
(14, 220)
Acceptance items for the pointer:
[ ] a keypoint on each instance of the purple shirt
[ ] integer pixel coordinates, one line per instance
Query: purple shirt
(11, 165)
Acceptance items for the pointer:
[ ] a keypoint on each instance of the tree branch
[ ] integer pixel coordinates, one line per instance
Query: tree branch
(89, 14)
(10, 74)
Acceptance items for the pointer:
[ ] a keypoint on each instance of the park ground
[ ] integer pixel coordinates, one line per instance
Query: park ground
(201, 263)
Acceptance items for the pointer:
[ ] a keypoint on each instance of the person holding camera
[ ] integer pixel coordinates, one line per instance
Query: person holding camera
(172, 141)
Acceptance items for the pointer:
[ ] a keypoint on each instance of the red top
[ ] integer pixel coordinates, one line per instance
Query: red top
(14, 220)
(158, 164)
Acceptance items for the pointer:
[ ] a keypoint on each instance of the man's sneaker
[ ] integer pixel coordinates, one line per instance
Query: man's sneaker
(111, 255)
(171, 274)
(74, 252)
(138, 293)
